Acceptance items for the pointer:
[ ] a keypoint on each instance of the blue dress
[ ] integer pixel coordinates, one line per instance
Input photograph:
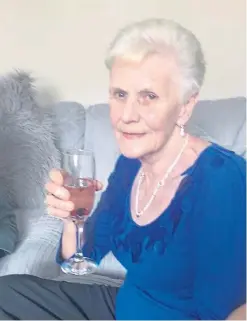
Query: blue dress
(190, 262)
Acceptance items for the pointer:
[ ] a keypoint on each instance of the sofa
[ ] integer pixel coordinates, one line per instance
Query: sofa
(69, 125)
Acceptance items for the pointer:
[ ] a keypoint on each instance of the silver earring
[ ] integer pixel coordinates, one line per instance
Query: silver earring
(182, 132)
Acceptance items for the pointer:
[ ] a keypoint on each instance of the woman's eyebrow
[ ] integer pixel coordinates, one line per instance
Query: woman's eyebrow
(117, 89)
(145, 90)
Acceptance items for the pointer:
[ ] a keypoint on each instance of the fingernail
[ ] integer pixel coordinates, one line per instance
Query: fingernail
(60, 193)
(66, 207)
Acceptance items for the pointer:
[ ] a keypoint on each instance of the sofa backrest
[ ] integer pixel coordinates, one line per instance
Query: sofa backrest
(221, 121)
(68, 124)
(100, 138)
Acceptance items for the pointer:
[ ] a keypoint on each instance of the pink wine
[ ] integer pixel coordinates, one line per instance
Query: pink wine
(82, 197)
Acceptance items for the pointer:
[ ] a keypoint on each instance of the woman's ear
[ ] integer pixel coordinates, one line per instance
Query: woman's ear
(187, 110)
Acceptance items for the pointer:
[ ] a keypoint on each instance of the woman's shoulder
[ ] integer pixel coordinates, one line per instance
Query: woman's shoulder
(125, 171)
(129, 166)
(214, 163)
(221, 165)
(222, 183)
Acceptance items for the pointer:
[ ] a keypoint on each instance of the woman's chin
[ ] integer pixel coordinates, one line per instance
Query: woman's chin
(133, 148)
(131, 152)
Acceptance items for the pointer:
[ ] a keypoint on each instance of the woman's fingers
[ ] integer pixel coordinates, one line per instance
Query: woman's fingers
(58, 197)
(58, 191)
(55, 185)
(52, 201)
(57, 212)
(57, 176)
(98, 185)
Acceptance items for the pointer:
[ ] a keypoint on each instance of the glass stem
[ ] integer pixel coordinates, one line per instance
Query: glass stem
(79, 240)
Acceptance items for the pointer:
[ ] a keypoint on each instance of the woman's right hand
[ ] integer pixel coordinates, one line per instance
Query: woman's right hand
(58, 197)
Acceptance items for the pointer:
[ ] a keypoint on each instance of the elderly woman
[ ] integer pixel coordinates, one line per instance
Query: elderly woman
(174, 210)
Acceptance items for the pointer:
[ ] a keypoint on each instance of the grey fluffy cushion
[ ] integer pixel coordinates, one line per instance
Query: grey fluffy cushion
(26, 143)
(27, 154)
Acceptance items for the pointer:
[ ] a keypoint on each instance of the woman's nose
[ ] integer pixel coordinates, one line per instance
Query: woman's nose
(130, 112)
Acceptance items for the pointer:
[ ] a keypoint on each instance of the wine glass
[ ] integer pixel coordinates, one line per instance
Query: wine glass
(79, 168)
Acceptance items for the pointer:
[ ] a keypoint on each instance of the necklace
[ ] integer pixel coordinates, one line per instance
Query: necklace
(159, 184)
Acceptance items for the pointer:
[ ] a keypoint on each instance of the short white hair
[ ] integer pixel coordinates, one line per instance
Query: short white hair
(155, 36)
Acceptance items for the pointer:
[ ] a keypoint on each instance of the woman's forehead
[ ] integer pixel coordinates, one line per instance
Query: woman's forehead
(147, 74)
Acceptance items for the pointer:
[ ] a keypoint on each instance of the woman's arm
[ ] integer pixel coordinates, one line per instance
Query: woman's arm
(220, 244)
(68, 240)
(97, 229)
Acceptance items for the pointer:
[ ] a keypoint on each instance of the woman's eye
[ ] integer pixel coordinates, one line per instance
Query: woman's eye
(147, 97)
(151, 96)
(120, 95)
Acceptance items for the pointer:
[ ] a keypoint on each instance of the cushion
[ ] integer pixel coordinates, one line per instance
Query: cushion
(26, 142)
(27, 154)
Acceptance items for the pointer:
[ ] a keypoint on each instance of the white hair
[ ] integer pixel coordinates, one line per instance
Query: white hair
(155, 36)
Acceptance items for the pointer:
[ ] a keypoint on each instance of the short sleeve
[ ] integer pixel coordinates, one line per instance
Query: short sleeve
(220, 244)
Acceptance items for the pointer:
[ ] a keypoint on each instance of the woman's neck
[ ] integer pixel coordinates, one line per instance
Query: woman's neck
(156, 165)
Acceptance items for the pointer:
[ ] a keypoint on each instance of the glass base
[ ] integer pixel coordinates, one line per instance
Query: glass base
(79, 266)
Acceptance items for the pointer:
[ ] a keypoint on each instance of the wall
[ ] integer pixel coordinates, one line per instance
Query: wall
(63, 41)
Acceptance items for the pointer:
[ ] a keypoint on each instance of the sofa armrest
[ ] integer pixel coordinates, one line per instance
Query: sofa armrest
(35, 253)
(8, 232)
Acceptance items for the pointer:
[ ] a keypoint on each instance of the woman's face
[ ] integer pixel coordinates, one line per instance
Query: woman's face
(144, 104)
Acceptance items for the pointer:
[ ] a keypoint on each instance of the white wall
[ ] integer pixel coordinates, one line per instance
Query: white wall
(63, 41)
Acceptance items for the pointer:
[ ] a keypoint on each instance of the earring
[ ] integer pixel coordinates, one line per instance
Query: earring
(182, 132)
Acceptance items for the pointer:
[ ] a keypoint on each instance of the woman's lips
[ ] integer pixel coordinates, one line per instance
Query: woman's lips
(132, 135)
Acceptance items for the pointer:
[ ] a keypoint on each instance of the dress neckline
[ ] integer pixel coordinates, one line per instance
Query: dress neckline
(188, 172)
